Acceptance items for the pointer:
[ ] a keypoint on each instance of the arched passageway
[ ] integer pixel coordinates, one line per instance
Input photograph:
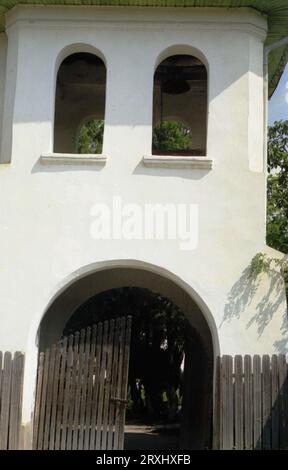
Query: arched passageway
(156, 304)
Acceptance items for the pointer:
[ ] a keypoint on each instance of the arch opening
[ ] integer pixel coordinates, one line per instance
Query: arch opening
(180, 90)
(155, 304)
(80, 104)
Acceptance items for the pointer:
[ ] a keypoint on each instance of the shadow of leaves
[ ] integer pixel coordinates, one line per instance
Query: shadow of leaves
(243, 293)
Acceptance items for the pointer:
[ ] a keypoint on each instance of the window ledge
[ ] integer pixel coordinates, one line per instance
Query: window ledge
(72, 159)
(171, 161)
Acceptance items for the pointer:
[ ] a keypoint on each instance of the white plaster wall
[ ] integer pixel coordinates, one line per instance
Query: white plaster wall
(46, 210)
(3, 58)
(9, 97)
(256, 107)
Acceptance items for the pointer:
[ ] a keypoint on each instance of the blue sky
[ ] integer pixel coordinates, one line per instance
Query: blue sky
(278, 105)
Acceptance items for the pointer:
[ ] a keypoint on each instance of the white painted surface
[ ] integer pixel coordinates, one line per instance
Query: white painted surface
(256, 106)
(3, 59)
(46, 209)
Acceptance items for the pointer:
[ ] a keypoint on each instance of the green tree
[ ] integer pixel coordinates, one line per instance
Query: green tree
(91, 136)
(172, 136)
(277, 187)
(277, 198)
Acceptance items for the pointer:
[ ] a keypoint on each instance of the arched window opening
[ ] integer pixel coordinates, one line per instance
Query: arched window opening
(80, 94)
(180, 90)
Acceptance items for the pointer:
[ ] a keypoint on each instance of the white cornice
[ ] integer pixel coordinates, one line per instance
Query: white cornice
(112, 18)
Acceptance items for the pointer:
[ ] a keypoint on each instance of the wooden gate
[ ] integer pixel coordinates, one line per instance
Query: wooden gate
(82, 389)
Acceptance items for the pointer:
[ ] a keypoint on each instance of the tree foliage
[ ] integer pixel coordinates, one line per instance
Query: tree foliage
(277, 187)
(172, 136)
(168, 137)
(277, 201)
(91, 136)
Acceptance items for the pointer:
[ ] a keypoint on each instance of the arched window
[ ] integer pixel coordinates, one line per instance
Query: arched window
(180, 107)
(80, 104)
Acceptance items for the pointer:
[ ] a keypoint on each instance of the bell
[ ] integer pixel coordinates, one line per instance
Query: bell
(175, 86)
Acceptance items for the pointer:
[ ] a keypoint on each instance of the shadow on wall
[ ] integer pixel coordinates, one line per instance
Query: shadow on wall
(57, 168)
(263, 296)
(186, 173)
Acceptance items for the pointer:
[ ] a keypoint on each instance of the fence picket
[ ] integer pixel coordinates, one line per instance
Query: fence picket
(124, 381)
(107, 391)
(55, 388)
(227, 403)
(96, 387)
(217, 412)
(58, 430)
(78, 390)
(257, 402)
(84, 388)
(16, 400)
(283, 401)
(38, 401)
(238, 389)
(11, 388)
(88, 413)
(112, 406)
(43, 400)
(275, 402)
(66, 400)
(266, 403)
(72, 361)
(119, 385)
(248, 402)
(5, 400)
(48, 411)
(101, 386)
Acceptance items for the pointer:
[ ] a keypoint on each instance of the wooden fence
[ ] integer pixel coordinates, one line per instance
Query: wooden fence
(11, 387)
(251, 403)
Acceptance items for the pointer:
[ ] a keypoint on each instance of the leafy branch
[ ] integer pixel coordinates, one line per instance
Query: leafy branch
(262, 263)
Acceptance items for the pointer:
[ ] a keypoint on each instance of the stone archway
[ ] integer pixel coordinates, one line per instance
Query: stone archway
(196, 428)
